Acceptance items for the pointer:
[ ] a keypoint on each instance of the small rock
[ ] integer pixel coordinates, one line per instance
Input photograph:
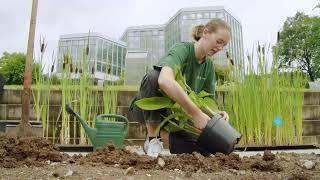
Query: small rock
(178, 171)
(99, 172)
(199, 171)
(64, 162)
(188, 174)
(116, 165)
(55, 174)
(287, 159)
(242, 172)
(233, 171)
(88, 178)
(149, 175)
(129, 171)
(308, 165)
(268, 155)
(48, 162)
(69, 173)
(161, 162)
(171, 177)
(54, 163)
(198, 156)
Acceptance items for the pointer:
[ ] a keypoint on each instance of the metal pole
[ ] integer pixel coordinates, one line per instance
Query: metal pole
(25, 127)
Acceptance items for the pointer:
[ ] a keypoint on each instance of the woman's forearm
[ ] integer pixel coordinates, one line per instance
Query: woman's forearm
(172, 88)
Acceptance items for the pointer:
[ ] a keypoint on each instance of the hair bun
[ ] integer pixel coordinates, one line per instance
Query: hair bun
(197, 32)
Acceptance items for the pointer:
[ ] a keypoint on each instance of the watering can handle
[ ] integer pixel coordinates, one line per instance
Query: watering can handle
(118, 117)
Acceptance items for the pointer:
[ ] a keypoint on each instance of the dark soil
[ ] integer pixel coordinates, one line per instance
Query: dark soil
(15, 152)
(37, 152)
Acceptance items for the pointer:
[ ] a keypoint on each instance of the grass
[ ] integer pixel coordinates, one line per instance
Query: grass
(259, 97)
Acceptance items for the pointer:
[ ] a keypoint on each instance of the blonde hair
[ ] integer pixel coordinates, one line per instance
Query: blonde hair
(212, 26)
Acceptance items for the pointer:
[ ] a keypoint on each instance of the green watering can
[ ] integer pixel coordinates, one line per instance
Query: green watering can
(113, 130)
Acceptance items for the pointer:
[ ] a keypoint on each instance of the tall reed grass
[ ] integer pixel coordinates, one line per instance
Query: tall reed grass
(76, 86)
(265, 104)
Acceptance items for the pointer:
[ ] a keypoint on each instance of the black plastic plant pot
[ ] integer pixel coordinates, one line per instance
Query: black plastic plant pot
(219, 136)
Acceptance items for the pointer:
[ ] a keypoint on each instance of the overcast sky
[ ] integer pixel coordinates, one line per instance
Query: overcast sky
(261, 19)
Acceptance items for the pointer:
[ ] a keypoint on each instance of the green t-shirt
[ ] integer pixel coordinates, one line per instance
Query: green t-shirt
(198, 76)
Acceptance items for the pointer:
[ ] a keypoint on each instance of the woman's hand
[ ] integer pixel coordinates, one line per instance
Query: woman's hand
(224, 115)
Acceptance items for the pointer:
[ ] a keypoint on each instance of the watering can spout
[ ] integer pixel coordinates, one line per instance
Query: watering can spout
(91, 132)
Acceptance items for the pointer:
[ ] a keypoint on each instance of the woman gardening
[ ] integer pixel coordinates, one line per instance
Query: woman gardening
(198, 71)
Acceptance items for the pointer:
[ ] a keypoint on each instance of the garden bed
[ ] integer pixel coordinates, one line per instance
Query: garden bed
(37, 158)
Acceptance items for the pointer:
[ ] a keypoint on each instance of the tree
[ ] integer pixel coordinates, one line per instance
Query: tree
(317, 6)
(299, 45)
(12, 68)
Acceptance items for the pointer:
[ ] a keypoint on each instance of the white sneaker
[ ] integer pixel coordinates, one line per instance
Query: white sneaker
(153, 148)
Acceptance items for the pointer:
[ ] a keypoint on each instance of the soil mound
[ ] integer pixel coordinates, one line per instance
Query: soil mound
(33, 151)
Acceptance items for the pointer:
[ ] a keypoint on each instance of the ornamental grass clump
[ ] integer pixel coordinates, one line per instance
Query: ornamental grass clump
(265, 104)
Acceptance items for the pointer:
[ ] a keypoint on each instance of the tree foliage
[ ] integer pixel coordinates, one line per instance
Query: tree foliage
(12, 68)
(299, 45)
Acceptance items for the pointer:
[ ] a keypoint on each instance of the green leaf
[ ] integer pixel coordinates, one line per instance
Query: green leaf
(210, 103)
(154, 103)
(168, 118)
(203, 94)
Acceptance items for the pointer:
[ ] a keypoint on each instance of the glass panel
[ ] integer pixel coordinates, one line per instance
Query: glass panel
(80, 52)
(137, 42)
(206, 15)
(123, 57)
(119, 56)
(114, 70)
(92, 67)
(119, 71)
(105, 51)
(74, 52)
(99, 66)
(199, 16)
(62, 43)
(143, 43)
(184, 16)
(109, 53)
(148, 33)
(75, 43)
(104, 68)
(220, 15)
(155, 33)
(92, 40)
(155, 41)
(92, 50)
(136, 33)
(81, 43)
(114, 57)
(192, 16)
(68, 42)
(213, 15)
(99, 50)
